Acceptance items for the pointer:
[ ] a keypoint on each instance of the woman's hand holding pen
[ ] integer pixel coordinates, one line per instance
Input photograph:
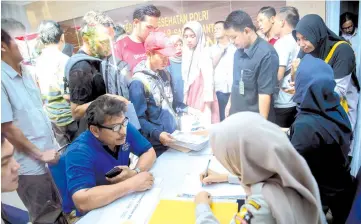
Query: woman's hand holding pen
(213, 177)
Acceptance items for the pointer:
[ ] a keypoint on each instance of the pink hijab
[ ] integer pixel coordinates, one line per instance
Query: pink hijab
(256, 150)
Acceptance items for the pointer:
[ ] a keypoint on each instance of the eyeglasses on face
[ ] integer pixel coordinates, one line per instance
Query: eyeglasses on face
(116, 127)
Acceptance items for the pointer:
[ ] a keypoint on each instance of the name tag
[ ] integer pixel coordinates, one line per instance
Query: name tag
(241, 84)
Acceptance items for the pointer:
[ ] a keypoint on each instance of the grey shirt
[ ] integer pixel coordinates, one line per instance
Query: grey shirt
(256, 68)
(21, 104)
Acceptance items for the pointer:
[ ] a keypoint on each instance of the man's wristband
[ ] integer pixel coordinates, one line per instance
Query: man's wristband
(137, 170)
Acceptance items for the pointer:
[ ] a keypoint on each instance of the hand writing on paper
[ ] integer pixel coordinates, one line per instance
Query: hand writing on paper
(166, 138)
(213, 177)
(142, 181)
(203, 198)
(125, 174)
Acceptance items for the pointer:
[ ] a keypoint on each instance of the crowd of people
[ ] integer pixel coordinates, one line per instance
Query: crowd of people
(280, 103)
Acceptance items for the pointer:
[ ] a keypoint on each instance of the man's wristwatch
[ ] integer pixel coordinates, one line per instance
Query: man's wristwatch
(137, 170)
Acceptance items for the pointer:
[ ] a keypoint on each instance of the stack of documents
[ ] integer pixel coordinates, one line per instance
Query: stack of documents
(192, 186)
(189, 141)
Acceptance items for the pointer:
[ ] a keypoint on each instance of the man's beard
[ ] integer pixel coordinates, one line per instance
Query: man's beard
(352, 32)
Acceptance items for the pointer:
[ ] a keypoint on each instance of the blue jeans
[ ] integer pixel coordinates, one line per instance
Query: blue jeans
(222, 102)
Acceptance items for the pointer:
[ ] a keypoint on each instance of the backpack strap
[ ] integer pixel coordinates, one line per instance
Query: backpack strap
(333, 49)
(71, 62)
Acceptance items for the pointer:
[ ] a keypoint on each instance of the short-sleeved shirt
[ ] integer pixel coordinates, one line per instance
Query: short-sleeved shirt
(129, 51)
(50, 66)
(84, 86)
(21, 104)
(87, 160)
(259, 65)
(287, 50)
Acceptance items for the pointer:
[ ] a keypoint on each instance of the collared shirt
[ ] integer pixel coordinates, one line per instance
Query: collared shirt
(223, 73)
(21, 104)
(86, 161)
(256, 68)
(50, 66)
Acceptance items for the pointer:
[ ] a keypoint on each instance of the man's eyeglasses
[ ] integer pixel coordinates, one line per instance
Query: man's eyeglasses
(117, 127)
(347, 28)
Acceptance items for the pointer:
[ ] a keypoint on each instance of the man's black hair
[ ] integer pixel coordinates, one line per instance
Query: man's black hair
(146, 10)
(346, 17)
(238, 20)
(290, 14)
(219, 22)
(103, 108)
(268, 11)
(10, 25)
(5, 37)
(50, 32)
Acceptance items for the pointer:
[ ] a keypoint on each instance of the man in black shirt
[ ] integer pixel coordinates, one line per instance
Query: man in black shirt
(255, 68)
(85, 79)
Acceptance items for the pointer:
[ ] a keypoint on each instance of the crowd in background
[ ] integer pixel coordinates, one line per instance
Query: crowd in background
(281, 103)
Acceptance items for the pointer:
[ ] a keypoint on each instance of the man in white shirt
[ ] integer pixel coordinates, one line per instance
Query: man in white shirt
(287, 50)
(50, 66)
(349, 30)
(222, 54)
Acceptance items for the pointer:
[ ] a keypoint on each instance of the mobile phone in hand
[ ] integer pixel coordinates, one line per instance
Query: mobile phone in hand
(113, 172)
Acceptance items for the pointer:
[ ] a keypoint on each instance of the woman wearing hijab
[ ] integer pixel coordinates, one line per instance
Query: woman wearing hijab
(197, 72)
(322, 133)
(316, 39)
(280, 186)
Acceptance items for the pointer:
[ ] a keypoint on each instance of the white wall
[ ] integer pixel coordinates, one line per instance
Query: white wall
(17, 12)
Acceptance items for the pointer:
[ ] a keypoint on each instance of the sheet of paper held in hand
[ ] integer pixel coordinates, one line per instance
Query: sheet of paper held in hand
(135, 208)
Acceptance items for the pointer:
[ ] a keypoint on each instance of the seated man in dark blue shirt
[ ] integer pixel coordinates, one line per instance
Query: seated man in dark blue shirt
(107, 144)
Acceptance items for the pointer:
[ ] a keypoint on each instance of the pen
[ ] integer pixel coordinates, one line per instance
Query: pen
(63, 147)
(206, 173)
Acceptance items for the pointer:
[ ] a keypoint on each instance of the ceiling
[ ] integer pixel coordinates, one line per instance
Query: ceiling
(15, 2)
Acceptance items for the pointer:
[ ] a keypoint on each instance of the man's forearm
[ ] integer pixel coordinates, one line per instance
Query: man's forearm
(146, 160)
(264, 104)
(99, 196)
(20, 142)
(281, 72)
(78, 111)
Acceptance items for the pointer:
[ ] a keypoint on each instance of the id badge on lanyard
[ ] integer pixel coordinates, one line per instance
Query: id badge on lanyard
(241, 84)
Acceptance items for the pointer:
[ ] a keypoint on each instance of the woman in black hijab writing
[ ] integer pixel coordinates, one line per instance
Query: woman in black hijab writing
(313, 37)
(322, 133)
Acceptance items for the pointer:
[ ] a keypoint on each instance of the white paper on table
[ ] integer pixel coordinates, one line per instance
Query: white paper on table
(135, 208)
(192, 186)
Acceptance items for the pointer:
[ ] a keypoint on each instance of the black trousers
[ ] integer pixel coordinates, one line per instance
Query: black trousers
(285, 116)
(222, 102)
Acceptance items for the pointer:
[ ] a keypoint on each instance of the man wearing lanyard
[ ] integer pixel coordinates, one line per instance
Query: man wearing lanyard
(255, 68)
(26, 126)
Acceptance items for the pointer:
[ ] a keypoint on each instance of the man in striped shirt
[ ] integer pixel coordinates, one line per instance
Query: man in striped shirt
(50, 68)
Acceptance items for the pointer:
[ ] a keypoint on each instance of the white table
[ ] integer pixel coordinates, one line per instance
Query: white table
(172, 166)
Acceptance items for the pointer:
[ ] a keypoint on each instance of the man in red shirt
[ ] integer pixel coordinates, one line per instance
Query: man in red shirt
(131, 48)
